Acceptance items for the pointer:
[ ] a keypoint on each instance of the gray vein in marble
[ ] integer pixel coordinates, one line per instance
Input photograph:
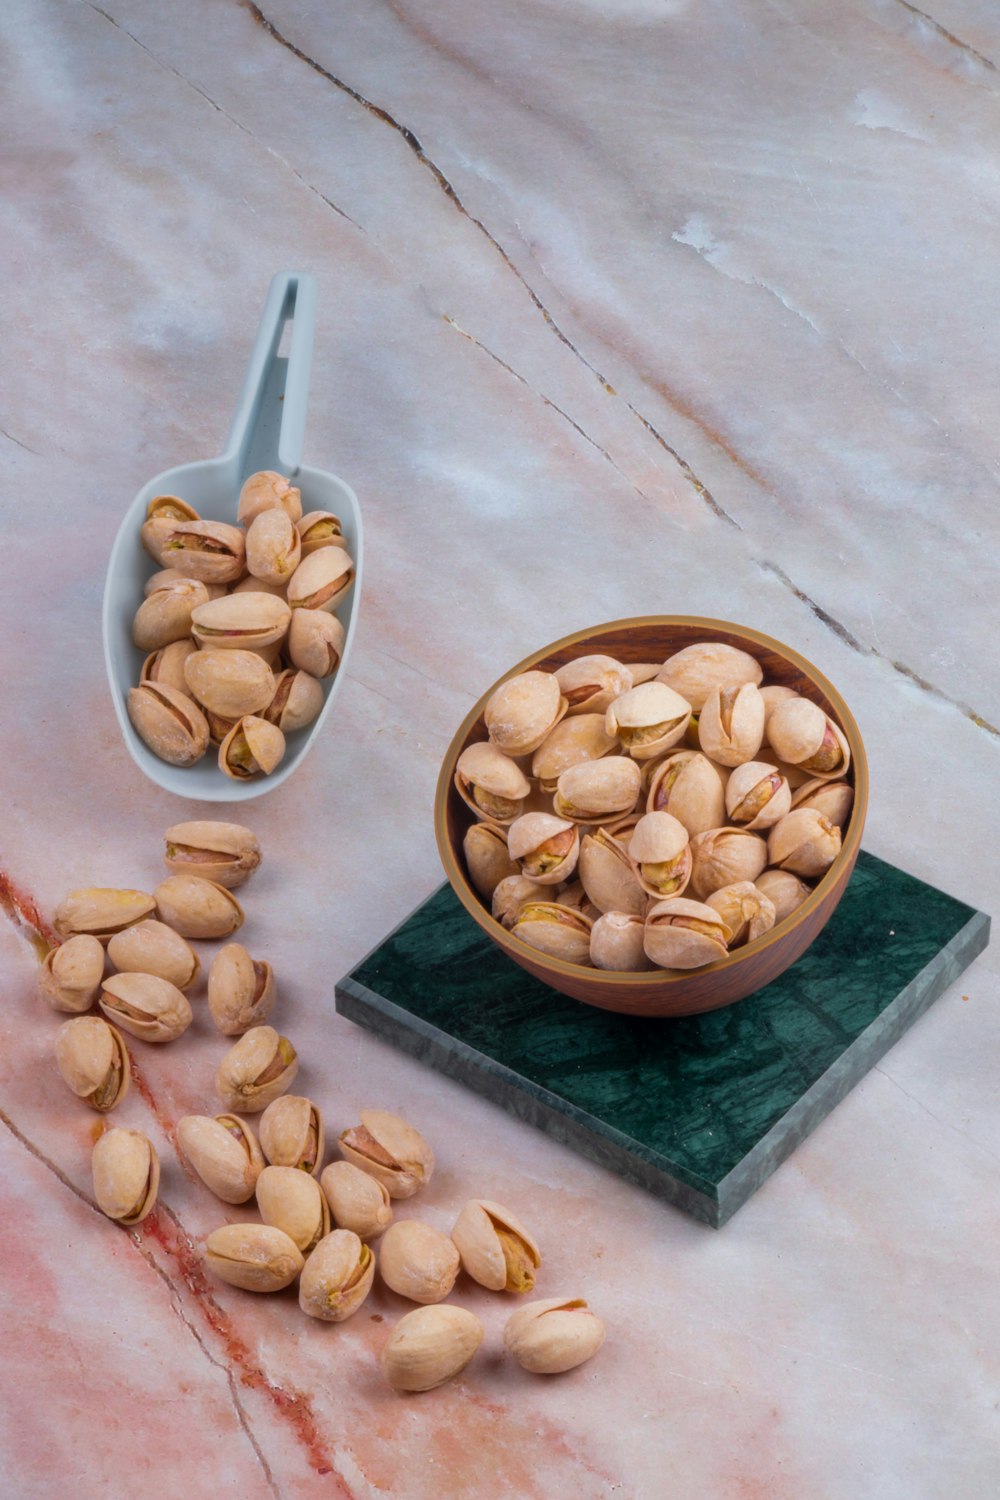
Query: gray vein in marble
(949, 36)
(18, 444)
(944, 1124)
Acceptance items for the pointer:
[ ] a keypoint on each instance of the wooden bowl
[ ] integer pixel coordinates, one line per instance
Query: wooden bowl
(664, 992)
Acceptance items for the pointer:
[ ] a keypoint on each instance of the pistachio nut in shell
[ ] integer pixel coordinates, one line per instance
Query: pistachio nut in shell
(747, 912)
(417, 1261)
(430, 1346)
(166, 666)
(162, 514)
(337, 1277)
(268, 490)
(321, 580)
(151, 947)
(616, 942)
(391, 1150)
(226, 853)
(274, 547)
(757, 795)
(553, 1335)
(599, 790)
(251, 585)
(256, 1070)
(254, 1257)
(241, 990)
(573, 741)
(211, 551)
(224, 1152)
(785, 891)
(198, 908)
(487, 857)
(773, 694)
(69, 978)
(684, 934)
(495, 1248)
(559, 931)
(241, 622)
(590, 684)
(804, 842)
(315, 642)
(644, 671)
(510, 895)
(546, 847)
(165, 615)
(229, 683)
(126, 1172)
(170, 723)
(357, 1200)
(697, 670)
(691, 788)
(320, 528)
(297, 699)
(523, 710)
(834, 799)
(731, 724)
(292, 1200)
(648, 719)
(607, 876)
(253, 747)
(147, 1007)
(490, 783)
(93, 1060)
(163, 578)
(101, 911)
(722, 856)
(802, 734)
(291, 1134)
(660, 855)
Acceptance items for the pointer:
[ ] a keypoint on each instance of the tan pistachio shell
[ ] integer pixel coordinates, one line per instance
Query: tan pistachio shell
(785, 891)
(510, 895)
(256, 1070)
(590, 684)
(607, 875)
(211, 551)
(648, 719)
(101, 911)
(69, 978)
(683, 934)
(616, 942)
(162, 515)
(274, 547)
(253, 747)
(553, 1335)
(490, 783)
(226, 853)
(660, 856)
(691, 788)
(320, 528)
(198, 908)
(487, 858)
(546, 847)
(170, 723)
(337, 1277)
(151, 947)
(241, 622)
(723, 856)
(267, 490)
(291, 1200)
(241, 990)
(560, 931)
(572, 742)
(804, 842)
(229, 683)
(834, 799)
(391, 1150)
(93, 1060)
(316, 642)
(731, 724)
(430, 1346)
(164, 577)
(643, 671)
(598, 790)
(698, 670)
(165, 615)
(252, 585)
(523, 710)
(146, 1006)
(747, 912)
(166, 666)
(321, 580)
(291, 1134)
(757, 795)
(802, 734)
(772, 695)
(418, 1261)
(254, 1257)
(357, 1200)
(495, 1248)
(126, 1172)
(224, 1152)
(297, 699)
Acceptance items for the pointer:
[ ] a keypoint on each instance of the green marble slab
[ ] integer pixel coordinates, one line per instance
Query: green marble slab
(699, 1111)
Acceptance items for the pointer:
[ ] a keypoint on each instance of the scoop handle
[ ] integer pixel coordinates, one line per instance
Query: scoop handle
(269, 424)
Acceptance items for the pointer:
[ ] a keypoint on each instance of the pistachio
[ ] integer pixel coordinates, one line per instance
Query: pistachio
(224, 1153)
(490, 783)
(146, 1006)
(100, 912)
(802, 734)
(487, 857)
(93, 1061)
(546, 847)
(391, 1150)
(162, 514)
(252, 1074)
(648, 719)
(834, 799)
(616, 942)
(337, 1277)
(241, 622)
(747, 912)
(689, 787)
(166, 666)
(253, 747)
(291, 1134)
(772, 695)
(598, 790)
(430, 1346)
(495, 1248)
(572, 742)
(322, 580)
(315, 642)
(274, 547)
(167, 576)
(697, 671)
(722, 856)
(590, 684)
(784, 890)
(241, 990)
(553, 1335)
(152, 947)
(165, 616)
(126, 1175)
(229, 683)
(170, 723)
(320, 528)
(607, 875)
(417, 1261)
(804, 842)
(731, 724)
(197, 908)
(357, 1200)
(70, 976)
(757, 795)
(660, 855)
(252, 585)
(291, 1200)
(683, 934)
(208, 550)
(644, 671)
(297, 699)
(523, 710)
(268, 490)
(510, 895)
(226, 853)
(559, 931)
(254, 1257)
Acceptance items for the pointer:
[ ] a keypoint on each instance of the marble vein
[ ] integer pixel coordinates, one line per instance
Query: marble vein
(948, 36)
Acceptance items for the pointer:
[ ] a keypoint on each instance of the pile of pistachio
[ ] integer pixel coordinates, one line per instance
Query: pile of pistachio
(652, 816)
(317, 1219)
(238, 626)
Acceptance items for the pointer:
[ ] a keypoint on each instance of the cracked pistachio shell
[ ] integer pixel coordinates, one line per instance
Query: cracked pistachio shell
(648, 719)
(691, 788)
(490, 783)
(197, 908)
(252, 1074)
(321, 580)
(241, 622)
(315, 642)
(268, 490)
(430, 1346)
(126, 1175)
(698, 670)
(274, 547)
(291, 1200)
(391, 1150)
(598, 790)
(660, 855)
(546, 847)
(241, 990)
(224, 1152)
(834, 799)
(70, 976)
(723, 856)
(785, 891)
(746, 911)
(146, 1006)
(757, 795)
(607, 876)
(560, 931)
(170, 723)
(495, 1248)
(802, 734)
(291, 1134)
(164, 577)
(93, 1060)
(510, 895)
(162, 514)
(357, 1200)
(523, 710)
(572, 742)
(337, 1277)
(166, 666)
(418, 1261)
(553, 1335)
(254, 1257)
(218, 728)
(320, 528)
(297, 699)
(209, 550)
(101, 911)
(804, 842)
(683, 934)
(152, 947)
(229, 683)
(487, 858)
(165, 616)
(226, 853)
(253, 747)
(616, 942)
(731, 724)
(590, 684)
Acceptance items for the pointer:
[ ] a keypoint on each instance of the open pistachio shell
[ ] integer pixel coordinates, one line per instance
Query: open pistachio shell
(495, 1248)
(357, 1200)
(170, 723)
(226, 853)
(802, 734)
(274, 547)
(648, 719)
(490, 783)
(254, 1257)
(224, 1152)
(101, 911)
(691, 788)
(757, 795)
(337, 1277)
(197, 908)
(252, 1074)
(93, 1060)
(698, 670)
(590, 684)
(165, 615)
(660, 855)
(229, 683)
(616, 942)
(487, 857)
(69, 978)
(320, 528)
(523, 710)
(253, 747)
(804, 842)
(146, 1006)
(126, 1175)
(607, 875)
(785, 891)
(391, 1150)
(731, 724)
(315, 642)
(683, 934)
(162, 514)
(241, 990)
(834, 799)
(267, 490)
(510, 895)
(417, 1261)
(321, 580)
(546, 847)
(151, 947)
(241, 622)
(553, 1335)
(598, 790)
(723, 856)
(747, 912)
(572, 742)
(166, 666)
(296, 701)
(560, 931)
(292, 1200)
(291, 1134)
(209, 550)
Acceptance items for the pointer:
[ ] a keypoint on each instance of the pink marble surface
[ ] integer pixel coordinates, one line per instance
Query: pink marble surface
(624, 307)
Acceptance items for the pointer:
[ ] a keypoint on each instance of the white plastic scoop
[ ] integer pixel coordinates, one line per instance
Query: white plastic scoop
(266, 433)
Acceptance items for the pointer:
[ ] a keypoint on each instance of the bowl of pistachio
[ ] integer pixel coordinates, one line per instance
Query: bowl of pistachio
(657, 815)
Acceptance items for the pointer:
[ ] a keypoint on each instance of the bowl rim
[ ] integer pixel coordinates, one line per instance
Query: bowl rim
(624, 979)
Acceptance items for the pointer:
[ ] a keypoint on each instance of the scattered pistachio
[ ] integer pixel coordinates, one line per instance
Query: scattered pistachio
(429, 1346)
